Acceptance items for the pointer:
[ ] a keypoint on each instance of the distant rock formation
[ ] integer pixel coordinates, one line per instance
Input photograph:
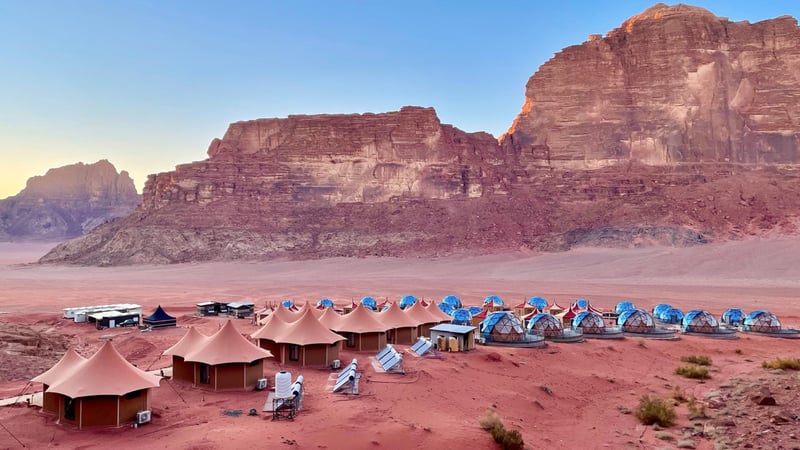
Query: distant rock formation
(672, 85)
(67, 202)
(675, 129)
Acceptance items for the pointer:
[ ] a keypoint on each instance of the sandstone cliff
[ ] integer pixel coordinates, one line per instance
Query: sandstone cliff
(67, 202)
(672, 85)
(675, 129)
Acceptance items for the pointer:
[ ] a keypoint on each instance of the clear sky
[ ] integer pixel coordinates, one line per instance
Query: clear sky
(148, 84)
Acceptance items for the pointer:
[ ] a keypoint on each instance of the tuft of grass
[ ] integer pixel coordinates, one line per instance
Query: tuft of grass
(696, 411)
(782, 363)
(700, 360)
(507, 439)
(695, 372)
(679, 395)
(655, 410)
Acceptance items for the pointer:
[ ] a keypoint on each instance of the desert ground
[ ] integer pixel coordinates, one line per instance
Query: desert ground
(565, 396)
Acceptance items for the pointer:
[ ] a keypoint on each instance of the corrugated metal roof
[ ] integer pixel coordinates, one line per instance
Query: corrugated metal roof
(451, 328)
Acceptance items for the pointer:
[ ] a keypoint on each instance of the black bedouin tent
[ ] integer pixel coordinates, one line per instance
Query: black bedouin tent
(159, 319)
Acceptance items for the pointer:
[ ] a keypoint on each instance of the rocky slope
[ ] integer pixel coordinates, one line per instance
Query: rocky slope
(675, 129)
(67, 202)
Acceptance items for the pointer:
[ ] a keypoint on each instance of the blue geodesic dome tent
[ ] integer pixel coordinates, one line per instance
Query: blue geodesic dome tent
(761, 321)
(502, 326)
(671, 315)
(581, 303)
(545, 324)
(407, 300)
(540, 303)
(446, 308)
(461, 316)
(589, 322)
(624, 306)
(474, 310)
(732, 316)
(699, 321)
(288, 304)
(636, 321)
(369, 302)
(452, 300)
(492, 300)
(325, 303)
(659, 308)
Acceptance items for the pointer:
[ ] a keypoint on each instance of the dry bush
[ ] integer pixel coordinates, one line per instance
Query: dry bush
(507, 439)
(700, 360)
(655, 410)
(782, 363)
(696, 372)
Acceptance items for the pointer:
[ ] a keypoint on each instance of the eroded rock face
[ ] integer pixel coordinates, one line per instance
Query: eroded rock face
(67, 202)
(676, 129)
(672, 85)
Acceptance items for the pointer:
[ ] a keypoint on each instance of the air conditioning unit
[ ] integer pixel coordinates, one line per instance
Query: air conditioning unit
(143, 417)
(336, 364)
(261, 384)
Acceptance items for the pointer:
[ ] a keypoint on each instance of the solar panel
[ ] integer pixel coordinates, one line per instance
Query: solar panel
(388, 349)
(390, 359)
(421, 346)
(348, 375)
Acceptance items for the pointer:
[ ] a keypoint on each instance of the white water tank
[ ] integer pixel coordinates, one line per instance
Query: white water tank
(283, 384)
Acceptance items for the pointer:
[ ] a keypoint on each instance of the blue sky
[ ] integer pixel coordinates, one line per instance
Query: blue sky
(148, 84)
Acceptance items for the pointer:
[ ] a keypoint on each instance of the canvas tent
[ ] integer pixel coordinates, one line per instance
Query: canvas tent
(363, 330)
(304, 342)
(226, 360)
(401, 328)
(159, 319)
(103, 390)
(182, 370)
(66, 364)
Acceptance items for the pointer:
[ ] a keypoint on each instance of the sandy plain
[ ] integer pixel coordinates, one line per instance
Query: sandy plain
(437, 404)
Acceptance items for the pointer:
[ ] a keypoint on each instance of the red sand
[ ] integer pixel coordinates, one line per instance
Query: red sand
(438, 403)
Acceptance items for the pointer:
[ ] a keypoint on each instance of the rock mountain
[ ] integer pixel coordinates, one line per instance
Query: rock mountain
(677, 128)
(67, 202)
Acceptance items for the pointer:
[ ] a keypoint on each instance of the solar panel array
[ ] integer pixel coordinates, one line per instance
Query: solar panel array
(390, 359)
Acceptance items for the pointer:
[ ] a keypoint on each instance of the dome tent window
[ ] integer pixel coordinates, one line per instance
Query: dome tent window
(294, 352)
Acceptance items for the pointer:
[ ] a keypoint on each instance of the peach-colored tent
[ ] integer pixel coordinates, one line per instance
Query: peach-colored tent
(422, 315)
(182, 370)
(437, 313)
(330, 318)
(401, 327)
(227, 360)
(307, 342)
(65, 365)
(363, 330)
(103, 390)
(266, 336)
(312, 308)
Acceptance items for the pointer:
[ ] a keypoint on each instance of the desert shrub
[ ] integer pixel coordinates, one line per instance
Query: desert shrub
(490, 420)
(655, 410)
(696, 411)
(696, 372)
(700, 360)
(507, 439)
(678, 394)
(782, 363)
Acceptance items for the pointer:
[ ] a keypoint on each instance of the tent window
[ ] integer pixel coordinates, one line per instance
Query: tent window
(294, 352)
(69, 408)
(351, 339)
(205, 374)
